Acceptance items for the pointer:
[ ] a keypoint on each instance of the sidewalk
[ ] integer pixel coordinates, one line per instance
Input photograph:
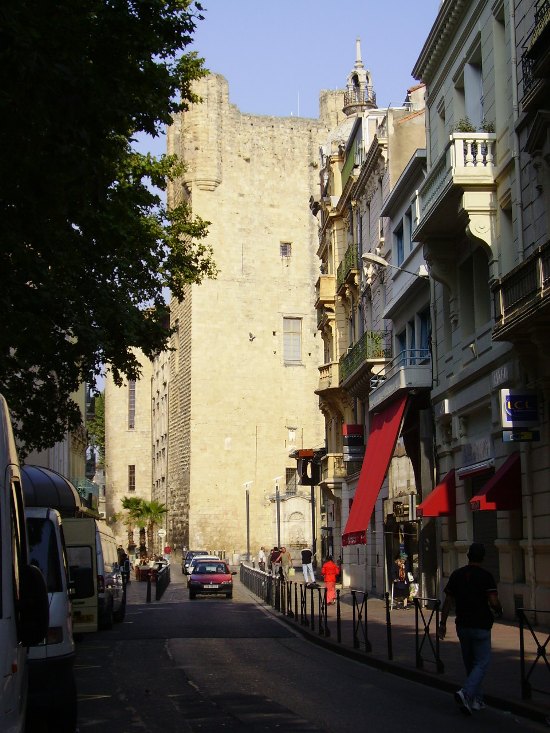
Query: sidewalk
(503, 681)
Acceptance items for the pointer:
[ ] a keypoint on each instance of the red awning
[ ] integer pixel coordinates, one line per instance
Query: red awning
(380, 446)
(441, 502)
(503, 490)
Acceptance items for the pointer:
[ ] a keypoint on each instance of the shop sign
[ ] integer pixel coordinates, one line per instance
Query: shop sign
(518, 409)
(520, 436)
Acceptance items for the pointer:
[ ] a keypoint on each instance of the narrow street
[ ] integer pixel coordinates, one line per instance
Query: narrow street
(215, 664)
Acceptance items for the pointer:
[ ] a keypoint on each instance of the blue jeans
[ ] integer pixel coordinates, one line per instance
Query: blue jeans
(475, 645)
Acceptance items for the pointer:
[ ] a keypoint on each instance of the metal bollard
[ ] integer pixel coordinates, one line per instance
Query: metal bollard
(148, 597)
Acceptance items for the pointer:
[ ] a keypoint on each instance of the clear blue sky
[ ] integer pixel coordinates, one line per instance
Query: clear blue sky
(277, 55)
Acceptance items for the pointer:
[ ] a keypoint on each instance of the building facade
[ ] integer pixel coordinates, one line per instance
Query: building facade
(484, 224)
(245, 348)
(128, 466)
(356, 301)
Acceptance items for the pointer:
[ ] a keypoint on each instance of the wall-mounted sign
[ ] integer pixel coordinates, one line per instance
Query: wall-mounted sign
(520, 436)
(519, 409)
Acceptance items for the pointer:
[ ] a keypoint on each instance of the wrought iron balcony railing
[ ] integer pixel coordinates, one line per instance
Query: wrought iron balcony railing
(372, 346)
(360, 97)
(349, 265)
(523, 290)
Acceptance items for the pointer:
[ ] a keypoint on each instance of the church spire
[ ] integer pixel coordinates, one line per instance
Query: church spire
(359, 94)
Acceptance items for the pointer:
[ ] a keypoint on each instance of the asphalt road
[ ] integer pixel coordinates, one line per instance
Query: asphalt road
(214, 664)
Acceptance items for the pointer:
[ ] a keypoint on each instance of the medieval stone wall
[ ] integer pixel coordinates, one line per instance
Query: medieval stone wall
(237, 405)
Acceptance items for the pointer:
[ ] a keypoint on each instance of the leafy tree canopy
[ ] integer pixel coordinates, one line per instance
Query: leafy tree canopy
(87, 245)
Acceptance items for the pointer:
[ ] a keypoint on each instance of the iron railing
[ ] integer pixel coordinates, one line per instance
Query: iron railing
(541, 652)
(373, 345)
(347, 265)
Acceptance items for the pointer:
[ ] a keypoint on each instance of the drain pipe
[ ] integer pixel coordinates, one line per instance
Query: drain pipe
(515, 136)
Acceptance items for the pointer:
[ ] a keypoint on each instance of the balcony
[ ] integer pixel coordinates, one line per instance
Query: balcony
(333, 468)
(348, 269)
(328, 377)
(358, 99)
(326, 293)
(411, 369)
(465, 166)
(374, 347)
(522, 298)
(536, 59)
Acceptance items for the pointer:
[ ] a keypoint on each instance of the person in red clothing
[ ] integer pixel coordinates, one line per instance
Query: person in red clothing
(330, 571)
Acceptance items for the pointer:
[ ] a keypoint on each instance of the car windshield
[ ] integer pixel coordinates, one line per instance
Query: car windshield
(206, 569)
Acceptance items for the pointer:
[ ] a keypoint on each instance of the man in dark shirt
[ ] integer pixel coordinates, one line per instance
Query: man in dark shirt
(307, 566)
(473, 592)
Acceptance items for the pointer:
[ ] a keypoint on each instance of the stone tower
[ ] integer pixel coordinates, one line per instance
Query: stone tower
(246, 348)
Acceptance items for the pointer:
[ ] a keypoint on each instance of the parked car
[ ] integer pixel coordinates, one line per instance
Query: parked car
(211, 577)
(189, 555)
(52, 684)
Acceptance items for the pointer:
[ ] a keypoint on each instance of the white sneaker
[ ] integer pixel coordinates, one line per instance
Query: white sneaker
(478, 705)
(462, 700)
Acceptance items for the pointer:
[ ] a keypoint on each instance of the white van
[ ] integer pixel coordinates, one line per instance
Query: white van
(100, 595)
(23, 596)
(52, 684)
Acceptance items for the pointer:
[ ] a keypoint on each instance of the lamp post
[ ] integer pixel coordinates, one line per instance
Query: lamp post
(278, 507)
(377, 260)
(247, 500)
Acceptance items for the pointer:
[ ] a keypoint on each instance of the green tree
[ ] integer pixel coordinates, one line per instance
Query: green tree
(96, 428)
(87, 244)
(153, 512)
(133, 506)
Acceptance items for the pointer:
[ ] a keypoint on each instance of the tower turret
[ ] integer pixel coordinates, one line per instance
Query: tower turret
(359, 94)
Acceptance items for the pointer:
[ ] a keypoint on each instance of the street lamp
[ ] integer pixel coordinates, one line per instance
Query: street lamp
(247, 495)
(278, 505)
(377, 260)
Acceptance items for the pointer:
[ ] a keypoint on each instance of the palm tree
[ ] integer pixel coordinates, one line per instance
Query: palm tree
(134, 506)
(153, 513)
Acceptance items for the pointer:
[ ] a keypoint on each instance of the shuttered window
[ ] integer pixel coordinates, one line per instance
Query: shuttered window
(292, 340)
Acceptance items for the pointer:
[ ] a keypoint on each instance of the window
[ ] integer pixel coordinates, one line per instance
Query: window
(475, 295)
(285, 249)
(131, 404)
(398, 244)
(292, 340)
(131, 478)
(425, 324)
(401, 346)
(407, 232)
(291, 476)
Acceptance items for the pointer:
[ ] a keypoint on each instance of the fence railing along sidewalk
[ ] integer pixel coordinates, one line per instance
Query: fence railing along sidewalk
(352, 627)
(308, 607)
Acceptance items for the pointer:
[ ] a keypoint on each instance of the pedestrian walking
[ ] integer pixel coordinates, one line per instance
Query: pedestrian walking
(330, 571)
(307, 566)
(473, 592)
(275, 562)
(401, 581)
(286, 562)
(261, 559)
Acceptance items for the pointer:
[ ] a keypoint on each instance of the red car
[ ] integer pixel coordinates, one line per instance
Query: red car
(211, 577)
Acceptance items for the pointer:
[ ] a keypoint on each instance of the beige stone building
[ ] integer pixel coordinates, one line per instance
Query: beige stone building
(160, 386)
(361, 163)
(247, 350)
(128, 466)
